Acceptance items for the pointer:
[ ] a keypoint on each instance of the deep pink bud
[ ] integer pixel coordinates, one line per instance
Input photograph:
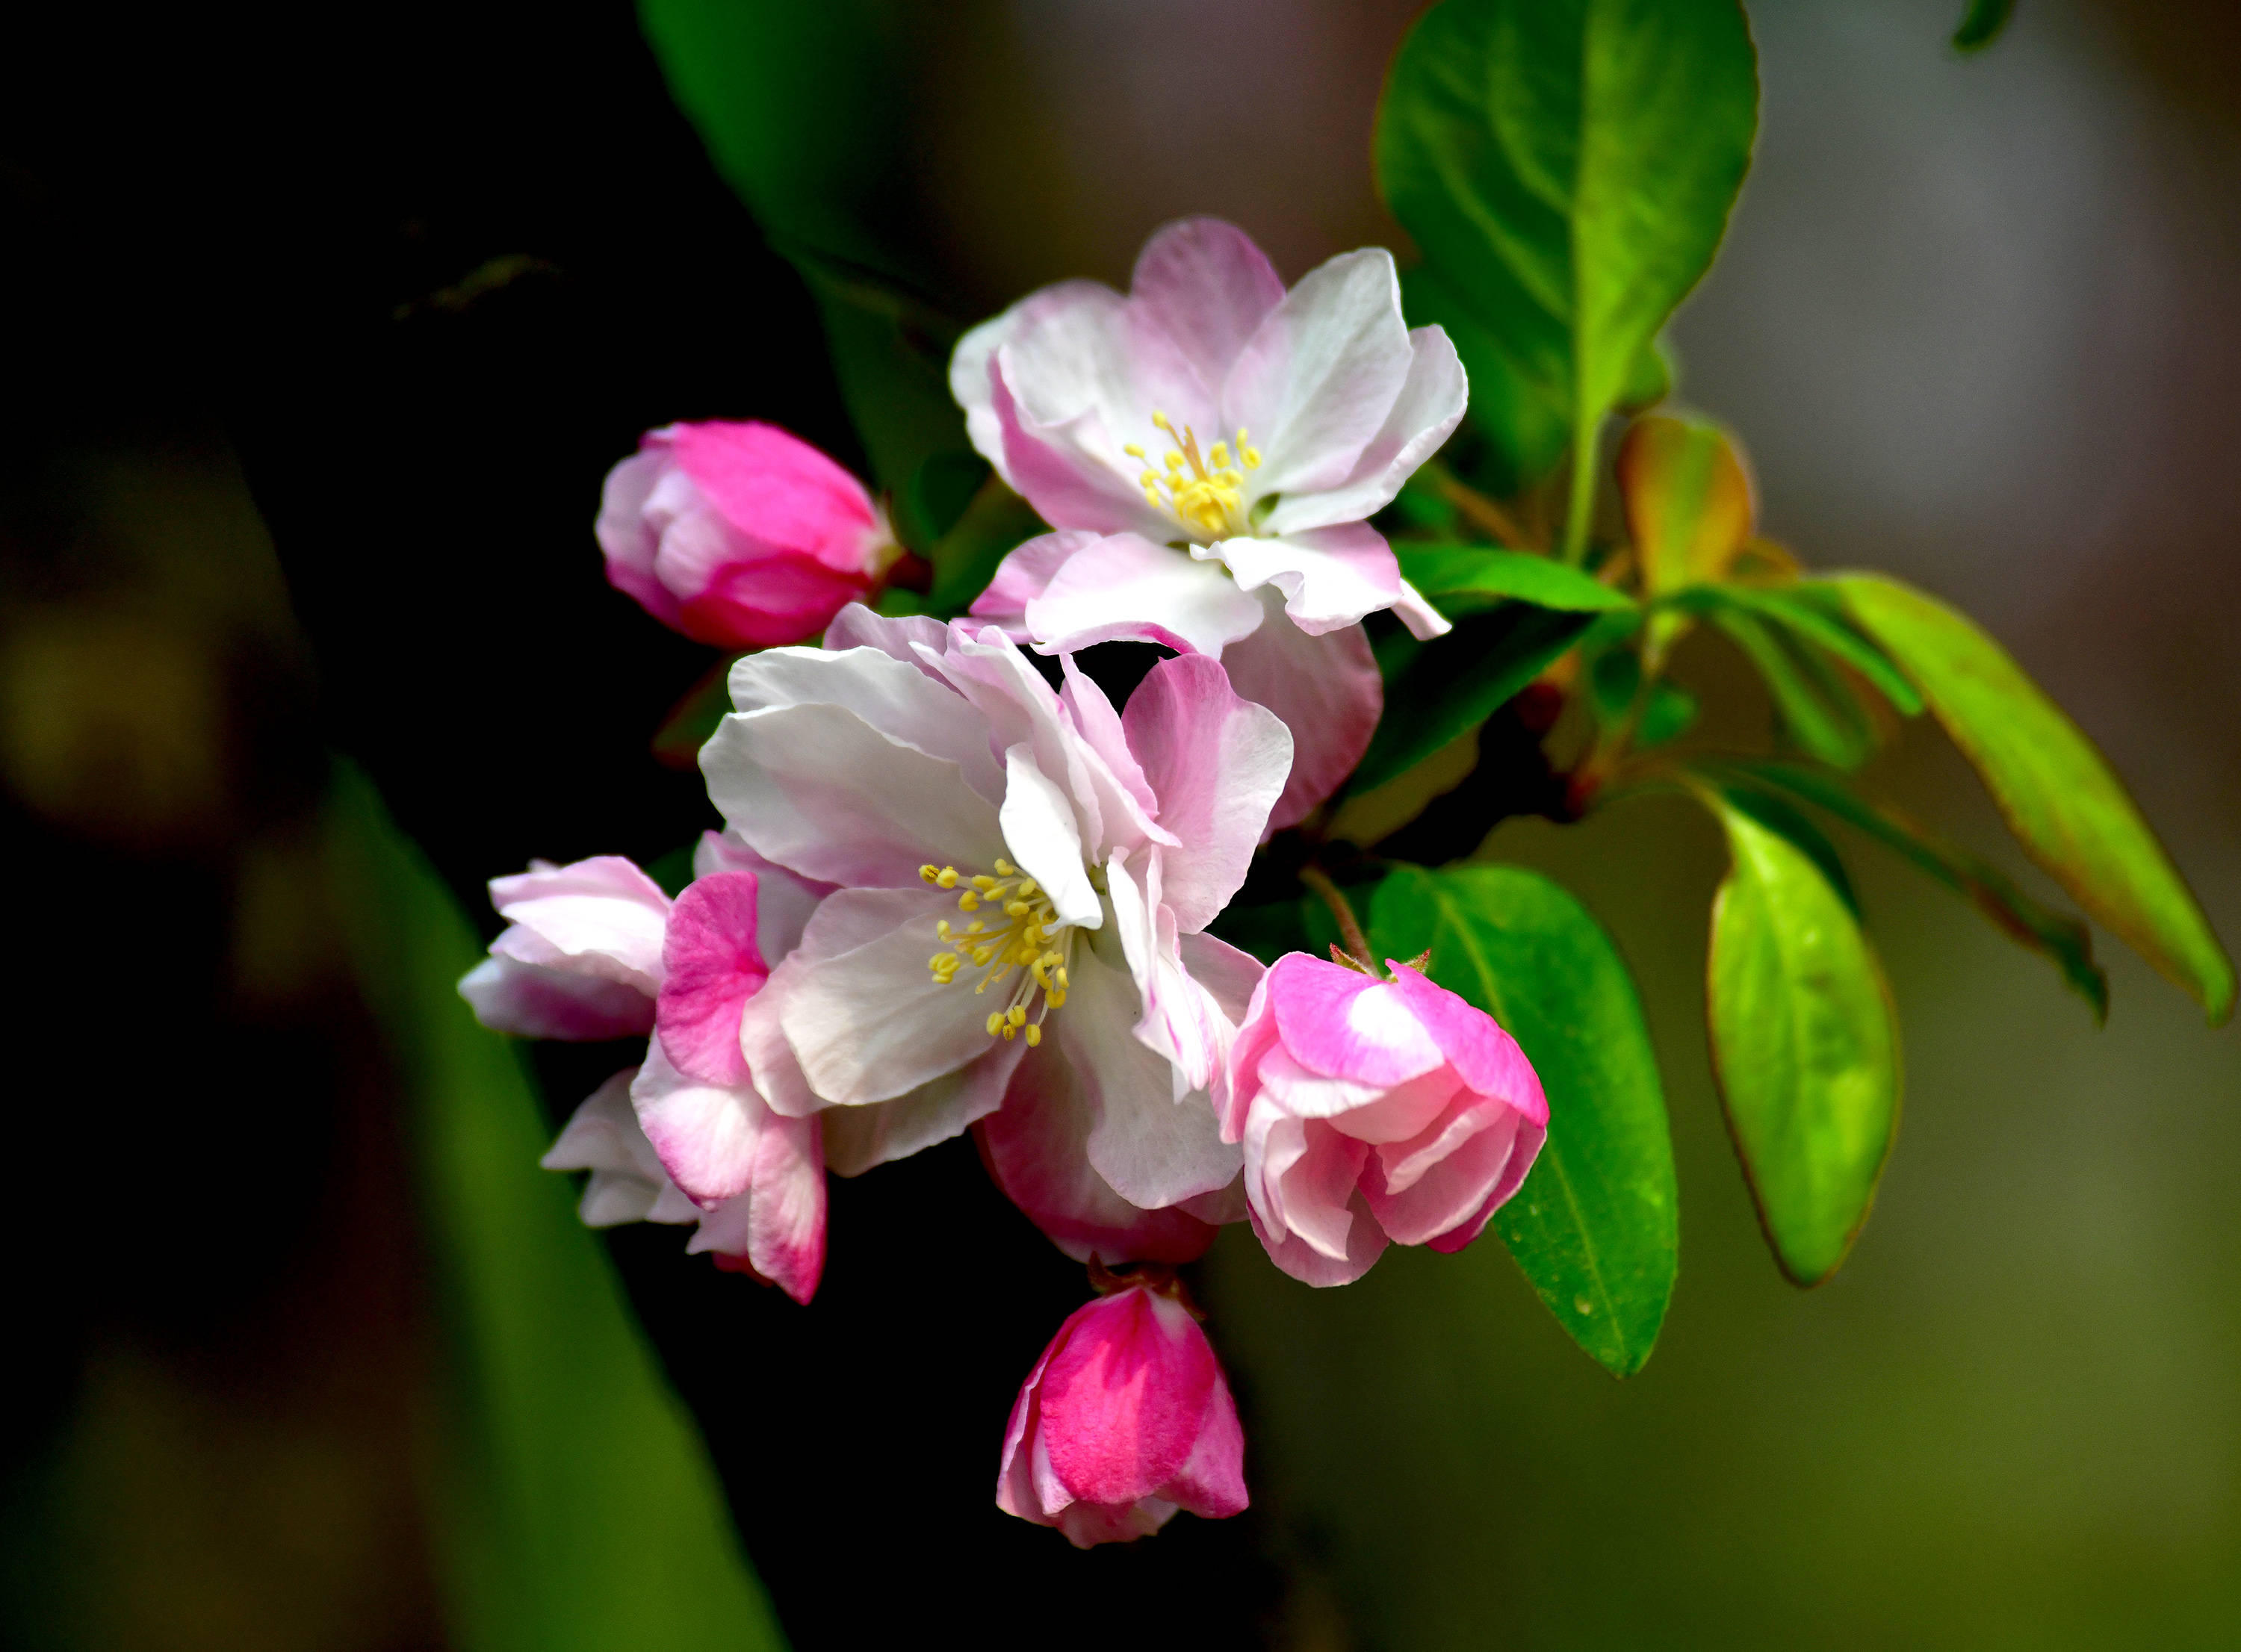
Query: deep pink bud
(740, 535)
(1124, 1419)
(1372, 1112)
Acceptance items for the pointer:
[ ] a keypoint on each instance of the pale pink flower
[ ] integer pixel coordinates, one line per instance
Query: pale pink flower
(739, 534)
(1019, 880)
(1210, 447)
(1372, 1111)
(1125, 1419)
(596, 950)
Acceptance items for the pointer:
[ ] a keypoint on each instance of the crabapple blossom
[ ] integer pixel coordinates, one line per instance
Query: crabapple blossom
(1125, 1419)
(1372, 1111)
(595, 950)
(1019, 878)
(739, 534)
(1210, 447)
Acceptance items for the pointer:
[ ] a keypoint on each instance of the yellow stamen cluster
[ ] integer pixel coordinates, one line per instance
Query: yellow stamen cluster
(1206, 494)
(1022, 942)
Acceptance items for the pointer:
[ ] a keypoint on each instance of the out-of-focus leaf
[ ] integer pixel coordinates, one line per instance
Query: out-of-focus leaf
(1671, 713)
(802, 108)
(966, 556)
(1817, 705)
(1816, 613)
(1982, 26)
(1465, 579)
(1459, 681)
(1687, 501)
(1614, 678)
(677, 743)
(1566, 167)
(1650, 380)
(2060, 938)
(1526, 419)
(574, 1504)
(2069, 813)
(1596, 1225)
(1804, 1044)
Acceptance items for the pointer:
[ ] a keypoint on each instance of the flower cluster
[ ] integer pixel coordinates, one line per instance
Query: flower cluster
(958, 889)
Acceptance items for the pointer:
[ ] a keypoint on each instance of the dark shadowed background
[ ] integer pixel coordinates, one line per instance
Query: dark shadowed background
(320, 336)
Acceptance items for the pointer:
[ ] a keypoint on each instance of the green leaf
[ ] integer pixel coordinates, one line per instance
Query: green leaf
(1816, 613)
(1983, 24)
(2058, 937)
(575, 1509)
(1566, 167)
(1804, 1044)
(1458, 681)
(1595, 1226)
(1526, 420)
(2071, 815)
(966, 557)
(677, 743)
(1465, 579)
(1817, 705)
(1671, 713)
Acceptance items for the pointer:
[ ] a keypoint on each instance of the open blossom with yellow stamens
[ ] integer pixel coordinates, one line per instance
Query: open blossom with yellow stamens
(1210, 447)
(1021, 877)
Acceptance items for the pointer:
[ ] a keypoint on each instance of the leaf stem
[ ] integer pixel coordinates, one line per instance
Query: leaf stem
(1586, 430)
(1349, 928)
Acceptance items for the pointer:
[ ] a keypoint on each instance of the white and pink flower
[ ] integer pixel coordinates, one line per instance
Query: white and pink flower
(739, 534)
(595, 950)
(1372, 1112)
(1019, 877)
(1210, 447)
(1125, 1419)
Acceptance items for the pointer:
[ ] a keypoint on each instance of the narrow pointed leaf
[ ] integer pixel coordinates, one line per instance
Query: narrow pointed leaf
(1805, 1044)
(2069, 813)
(1464, 579)
(1595, 1226)
(573, 1504)
(1817, 705)
(2061, 939)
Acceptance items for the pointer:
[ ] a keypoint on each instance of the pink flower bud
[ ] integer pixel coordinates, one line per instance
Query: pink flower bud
(740, 535)
(1372, 1112)
(1124, 1419)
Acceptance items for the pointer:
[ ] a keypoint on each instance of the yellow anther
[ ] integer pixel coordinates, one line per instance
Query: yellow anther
(1029, 885)
(1151, 498)
(1133, 450)
(995, 1022)
(968, 901)
(927, 873)
(984, 883)
(1034, 1036)
(1218, 456)
(1016, 909)
(1148, 481)
(1004, 868)
(1251, 456)
(1017, 1015)
(1160, 420)
(1175, 461)
(1056, 1000)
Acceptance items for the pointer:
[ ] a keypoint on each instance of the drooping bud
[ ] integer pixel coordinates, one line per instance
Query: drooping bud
(1125, 1419)
(739, 534)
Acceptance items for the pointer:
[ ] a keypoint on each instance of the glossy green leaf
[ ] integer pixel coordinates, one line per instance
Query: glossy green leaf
(1804, 1044)
(2069, 813)
(1817, 705)
(1595, 1226)
(1567, 168)
(1465, 579)
(1981, 25)
(1816, 614)
(2060, 938)
(574, 1506)
(1459, 681)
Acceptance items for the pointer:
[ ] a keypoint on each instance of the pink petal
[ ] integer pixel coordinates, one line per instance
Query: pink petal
(1486, 1058)
(706, 1134)
(1217, 763)
(1125, 1399)
(1024, 575)
(1208, 287)
(769, 602)
(601, 917)
(1526, 1149)
(627, 539)
(1342, 1024)
(1327, 690)
(713, 966)
(1035, 1148)
(528, 1001)
(1426, 1188)
(778, 490)
(1365, 1243)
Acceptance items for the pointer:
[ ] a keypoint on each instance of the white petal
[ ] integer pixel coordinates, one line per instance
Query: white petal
(1424, 415)
(1317, 378)
(1126, 588)
(857, 1138)
(818, 790)
(1045, 840)
(892, 695)
(1330, 577)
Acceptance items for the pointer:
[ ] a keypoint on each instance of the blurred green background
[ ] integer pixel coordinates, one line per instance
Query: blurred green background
(1978, 322)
